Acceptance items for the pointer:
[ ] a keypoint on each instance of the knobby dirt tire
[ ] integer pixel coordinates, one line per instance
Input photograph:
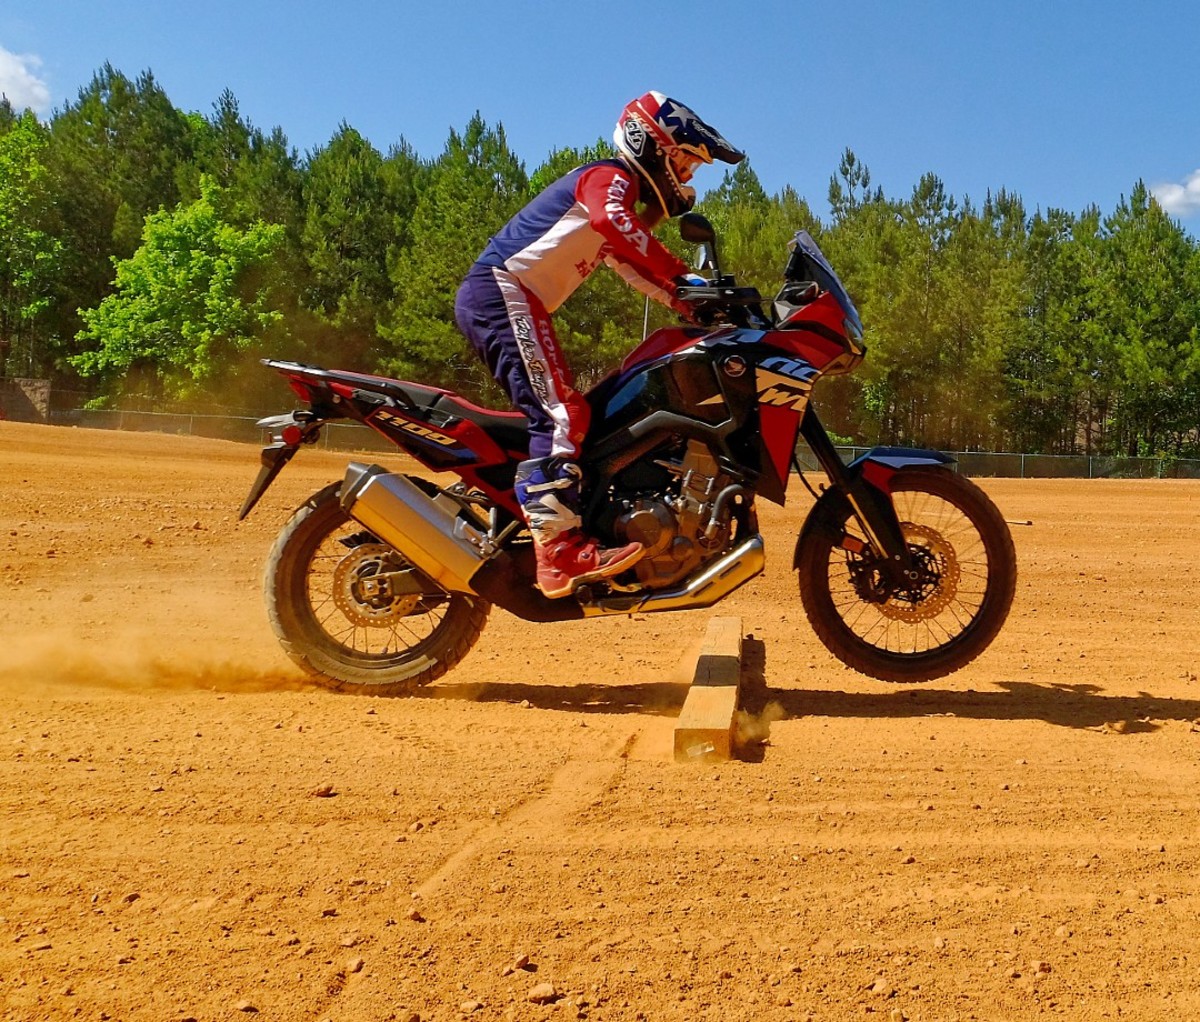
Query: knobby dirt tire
(313, 634)
(979, 546)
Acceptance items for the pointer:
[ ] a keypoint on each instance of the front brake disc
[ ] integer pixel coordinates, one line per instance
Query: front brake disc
(937, 585)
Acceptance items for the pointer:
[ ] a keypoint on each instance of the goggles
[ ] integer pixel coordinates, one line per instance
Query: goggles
(685, 163)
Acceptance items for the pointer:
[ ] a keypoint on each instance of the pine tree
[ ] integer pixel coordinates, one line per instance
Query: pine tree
(471, 190)
(1151, 317)
(349, 229)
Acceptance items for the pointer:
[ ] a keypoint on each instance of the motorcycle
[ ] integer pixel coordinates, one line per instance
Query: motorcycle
(383, 581)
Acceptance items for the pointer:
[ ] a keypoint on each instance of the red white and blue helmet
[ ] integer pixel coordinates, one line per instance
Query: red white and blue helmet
(666, 142)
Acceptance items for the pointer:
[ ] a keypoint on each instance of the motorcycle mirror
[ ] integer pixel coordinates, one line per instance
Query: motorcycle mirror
(697, 230)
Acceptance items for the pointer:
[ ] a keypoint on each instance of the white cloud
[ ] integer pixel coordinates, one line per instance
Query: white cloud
(20, 83)
(1181, 199)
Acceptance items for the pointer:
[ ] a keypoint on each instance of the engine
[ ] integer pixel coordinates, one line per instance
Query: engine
(684, 524)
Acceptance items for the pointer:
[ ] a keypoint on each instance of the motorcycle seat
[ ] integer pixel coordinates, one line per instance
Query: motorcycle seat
(509, 429)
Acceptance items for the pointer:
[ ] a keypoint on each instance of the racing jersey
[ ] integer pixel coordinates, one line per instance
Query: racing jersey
(586, 217)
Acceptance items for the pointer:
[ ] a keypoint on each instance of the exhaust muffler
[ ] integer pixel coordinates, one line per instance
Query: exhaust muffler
(426, 530)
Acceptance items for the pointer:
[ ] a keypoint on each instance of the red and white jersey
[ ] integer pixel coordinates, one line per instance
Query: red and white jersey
(586, 217)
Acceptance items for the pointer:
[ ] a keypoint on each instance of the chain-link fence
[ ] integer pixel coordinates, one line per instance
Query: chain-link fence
(334, 435)
(355, 437)
(981, 464)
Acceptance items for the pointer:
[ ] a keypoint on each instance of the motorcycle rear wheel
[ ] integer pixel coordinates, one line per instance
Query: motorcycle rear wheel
(964, 551)
(338, 614)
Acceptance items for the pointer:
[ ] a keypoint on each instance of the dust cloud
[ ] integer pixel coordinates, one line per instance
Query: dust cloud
(43, 662)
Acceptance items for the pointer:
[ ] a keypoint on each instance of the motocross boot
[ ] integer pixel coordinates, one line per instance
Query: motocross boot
(548, 492)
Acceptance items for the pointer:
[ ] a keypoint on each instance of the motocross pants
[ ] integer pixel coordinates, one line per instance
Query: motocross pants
(511, 331)
(548, 492)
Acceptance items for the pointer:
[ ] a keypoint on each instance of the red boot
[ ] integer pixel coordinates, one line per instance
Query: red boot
(571, 559)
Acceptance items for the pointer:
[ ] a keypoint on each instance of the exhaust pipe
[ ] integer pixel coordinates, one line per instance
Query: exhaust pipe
(714, 583)
(424, 529)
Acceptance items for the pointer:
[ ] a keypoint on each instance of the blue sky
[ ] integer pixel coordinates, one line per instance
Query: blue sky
(1066, 104)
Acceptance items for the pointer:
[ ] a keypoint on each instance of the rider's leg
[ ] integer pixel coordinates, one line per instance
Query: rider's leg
(548, 491)
(512, 332)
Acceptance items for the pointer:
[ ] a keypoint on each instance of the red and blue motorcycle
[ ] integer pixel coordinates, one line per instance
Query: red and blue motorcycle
(382, 581)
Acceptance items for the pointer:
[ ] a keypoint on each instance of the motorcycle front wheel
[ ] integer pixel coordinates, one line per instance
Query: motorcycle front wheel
(352, 611)
(966, 573)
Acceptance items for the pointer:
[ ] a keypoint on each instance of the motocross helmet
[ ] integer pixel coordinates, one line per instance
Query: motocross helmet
(666, 142)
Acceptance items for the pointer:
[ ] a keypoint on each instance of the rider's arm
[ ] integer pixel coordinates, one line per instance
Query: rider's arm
(658, 292)
(609, 194)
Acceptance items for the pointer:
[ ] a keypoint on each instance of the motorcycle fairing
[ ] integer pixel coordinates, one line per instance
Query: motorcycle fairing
(778, 427)
(661, 343)
(718, 387)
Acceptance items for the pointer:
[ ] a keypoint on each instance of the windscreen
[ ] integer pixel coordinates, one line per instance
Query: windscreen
(808, 262)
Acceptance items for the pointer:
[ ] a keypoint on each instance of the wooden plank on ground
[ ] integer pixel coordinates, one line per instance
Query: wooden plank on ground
(705, 729)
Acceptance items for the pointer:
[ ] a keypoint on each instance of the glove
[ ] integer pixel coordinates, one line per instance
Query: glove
(690, 280)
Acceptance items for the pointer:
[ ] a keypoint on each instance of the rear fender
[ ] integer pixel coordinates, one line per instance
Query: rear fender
(869, 476)
(288, 432)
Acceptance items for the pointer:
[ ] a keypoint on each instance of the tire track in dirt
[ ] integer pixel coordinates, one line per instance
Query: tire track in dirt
(574, 785)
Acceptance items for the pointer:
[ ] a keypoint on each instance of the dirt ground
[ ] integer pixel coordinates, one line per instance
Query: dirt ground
(1020, 839)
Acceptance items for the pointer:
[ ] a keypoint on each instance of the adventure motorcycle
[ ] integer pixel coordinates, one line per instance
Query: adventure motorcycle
(383, 581)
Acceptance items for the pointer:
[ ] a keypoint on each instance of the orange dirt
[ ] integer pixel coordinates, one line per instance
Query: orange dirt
(190, 829)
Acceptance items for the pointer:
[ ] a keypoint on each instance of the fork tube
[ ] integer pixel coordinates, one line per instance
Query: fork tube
(873, 508)
(822, 447)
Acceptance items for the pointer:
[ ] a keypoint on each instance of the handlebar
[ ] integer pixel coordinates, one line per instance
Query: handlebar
(723, 301)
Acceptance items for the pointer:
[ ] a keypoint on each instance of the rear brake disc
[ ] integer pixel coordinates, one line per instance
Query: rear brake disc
(362, 587)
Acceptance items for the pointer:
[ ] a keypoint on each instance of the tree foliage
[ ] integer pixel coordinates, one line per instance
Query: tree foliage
(472, 189)
(185, 304)
(28, 252)
(144, 249)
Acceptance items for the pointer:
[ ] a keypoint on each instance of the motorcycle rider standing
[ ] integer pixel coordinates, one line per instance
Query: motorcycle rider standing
(534, 263)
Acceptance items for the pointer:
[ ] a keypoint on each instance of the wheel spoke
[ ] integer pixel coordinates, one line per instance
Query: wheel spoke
(950, 552)
(365, 629)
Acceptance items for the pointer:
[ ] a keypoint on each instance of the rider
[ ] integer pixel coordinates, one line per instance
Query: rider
(534, 263)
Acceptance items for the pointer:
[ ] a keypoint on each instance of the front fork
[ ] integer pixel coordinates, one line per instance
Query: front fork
(865, 485)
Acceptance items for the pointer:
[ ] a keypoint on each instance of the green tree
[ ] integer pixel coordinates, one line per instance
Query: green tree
(902, 299)
(8, 116)
(358, 206)
(129, 141)
(114, 156)
(258, 173)
(1151, 320)
(983, 303)
(850, 187)
(28, 254)
(186, 304)
(471, 191)
(1044, 365)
